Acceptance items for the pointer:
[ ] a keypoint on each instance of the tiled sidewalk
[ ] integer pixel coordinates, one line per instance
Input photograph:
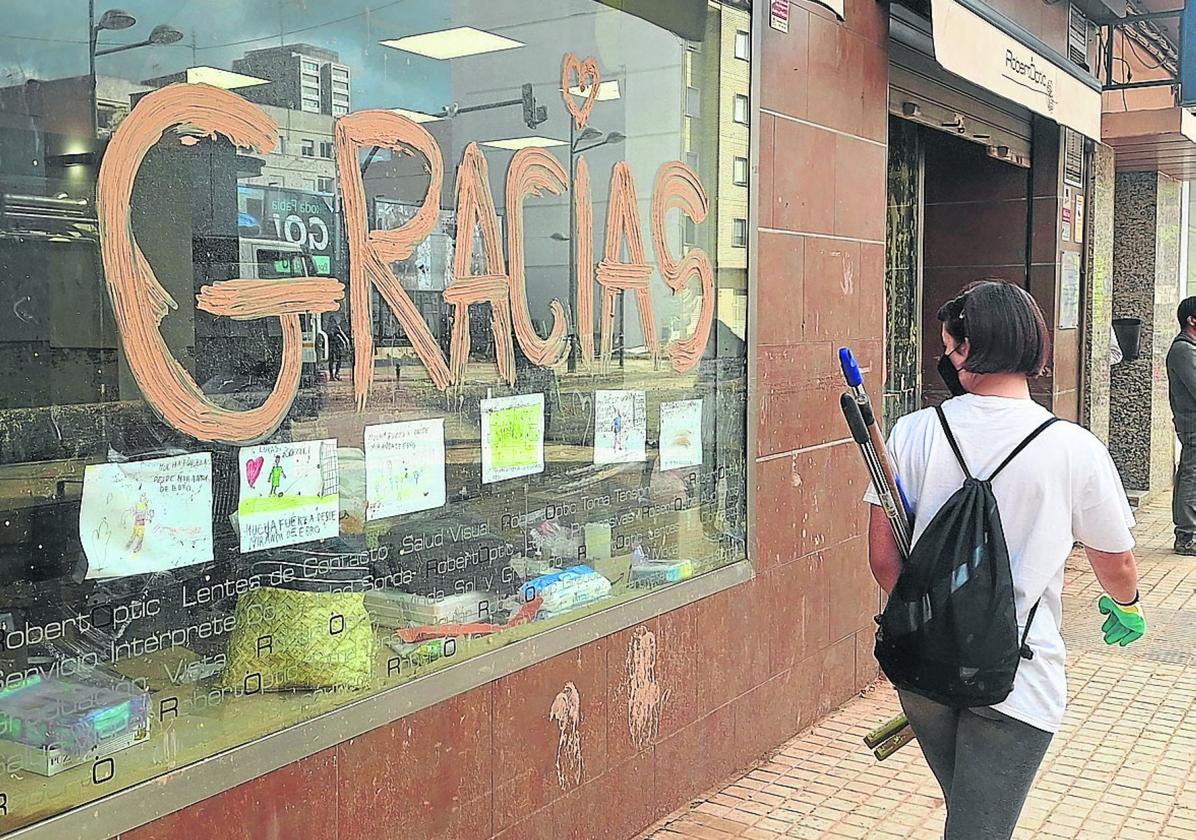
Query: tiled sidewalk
(1122, 768)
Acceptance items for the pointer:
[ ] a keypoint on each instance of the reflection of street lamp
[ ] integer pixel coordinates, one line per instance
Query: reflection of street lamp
(576, 147)
(163, 34)
(115, 20)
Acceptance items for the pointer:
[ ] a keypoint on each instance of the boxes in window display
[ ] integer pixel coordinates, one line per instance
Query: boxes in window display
(566, 590)
(658, 574)
(51, 724)
(392, 608)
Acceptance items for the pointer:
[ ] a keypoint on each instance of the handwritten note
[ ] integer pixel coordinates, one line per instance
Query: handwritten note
(680, 434)
(147, 516)
(404, 468)
(512, 437)
(290, 493)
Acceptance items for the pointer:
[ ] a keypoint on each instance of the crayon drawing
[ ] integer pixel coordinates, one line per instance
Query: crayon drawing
(146, 516)
(289, 494)
(404, 468)
(512, 437)
(680, 434)
(620, 427)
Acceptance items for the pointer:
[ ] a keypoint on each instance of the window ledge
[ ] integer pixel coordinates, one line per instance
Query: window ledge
(172, 791)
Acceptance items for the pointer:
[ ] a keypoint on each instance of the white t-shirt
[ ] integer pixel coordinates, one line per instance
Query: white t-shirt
(1063, 488)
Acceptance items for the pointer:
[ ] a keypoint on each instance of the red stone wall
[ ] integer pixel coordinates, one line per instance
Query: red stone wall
(743, 670)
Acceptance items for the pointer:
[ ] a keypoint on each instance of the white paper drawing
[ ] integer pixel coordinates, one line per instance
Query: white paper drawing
(620, 427)
(680, 434)
(404, 468)
(147, 516)
(289, 494)
(512, 437)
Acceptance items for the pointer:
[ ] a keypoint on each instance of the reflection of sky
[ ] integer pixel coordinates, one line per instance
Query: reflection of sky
(48, 40)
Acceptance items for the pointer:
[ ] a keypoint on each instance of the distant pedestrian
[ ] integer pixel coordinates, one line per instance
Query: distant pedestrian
(1063, 489)
(1181, 388)
(338, 345)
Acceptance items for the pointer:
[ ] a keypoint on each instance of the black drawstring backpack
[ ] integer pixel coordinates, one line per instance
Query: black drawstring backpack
(949, 630)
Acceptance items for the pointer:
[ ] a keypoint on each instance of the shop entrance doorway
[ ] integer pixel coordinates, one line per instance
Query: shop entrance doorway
(956, 213)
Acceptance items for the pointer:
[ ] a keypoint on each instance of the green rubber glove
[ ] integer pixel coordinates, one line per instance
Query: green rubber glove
(1125, 622)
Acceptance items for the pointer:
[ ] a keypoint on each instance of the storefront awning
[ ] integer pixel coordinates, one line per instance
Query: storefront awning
(1162, 140)
(973, 47)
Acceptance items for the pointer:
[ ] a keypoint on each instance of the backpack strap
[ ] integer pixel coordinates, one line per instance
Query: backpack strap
(951, 440)
(1026, 652)
(1018, 450)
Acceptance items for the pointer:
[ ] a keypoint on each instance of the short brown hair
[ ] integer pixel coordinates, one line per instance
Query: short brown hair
(1003, 325)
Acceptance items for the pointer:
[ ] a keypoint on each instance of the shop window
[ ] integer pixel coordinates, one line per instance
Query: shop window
(742, 112)
(739, 171)
(217, 527)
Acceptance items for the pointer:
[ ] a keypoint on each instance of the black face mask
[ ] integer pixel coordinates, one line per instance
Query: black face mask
(951, 377)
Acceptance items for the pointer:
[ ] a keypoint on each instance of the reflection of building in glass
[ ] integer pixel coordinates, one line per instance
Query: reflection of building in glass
(61, 105)
(305, 89)
(300, 77)
(304, 158)
(718, 78)
(57, 343)
(648, 131)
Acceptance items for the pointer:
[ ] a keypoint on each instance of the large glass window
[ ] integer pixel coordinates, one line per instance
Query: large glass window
(281, 431)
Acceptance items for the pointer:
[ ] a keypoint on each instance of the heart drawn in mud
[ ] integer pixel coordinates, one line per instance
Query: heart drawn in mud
(253, 468)
(588, 78)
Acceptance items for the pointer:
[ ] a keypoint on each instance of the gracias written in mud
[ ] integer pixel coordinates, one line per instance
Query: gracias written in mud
(191, 111)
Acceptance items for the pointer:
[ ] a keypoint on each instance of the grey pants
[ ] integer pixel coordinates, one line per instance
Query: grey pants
(1183, 502)
(984, 761)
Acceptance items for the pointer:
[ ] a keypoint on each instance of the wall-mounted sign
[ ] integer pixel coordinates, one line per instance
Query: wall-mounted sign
(970, 46)
(779, 18)
(1069, 291)
(1065, 215)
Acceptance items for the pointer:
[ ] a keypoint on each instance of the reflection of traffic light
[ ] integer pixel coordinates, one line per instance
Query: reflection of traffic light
(529, 106)
(533, 114)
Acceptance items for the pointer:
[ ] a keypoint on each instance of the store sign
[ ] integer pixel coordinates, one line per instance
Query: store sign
(140, 302)
(301, 218)
(969, 46)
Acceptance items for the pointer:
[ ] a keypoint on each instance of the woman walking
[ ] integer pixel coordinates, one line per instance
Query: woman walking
(1062, 489)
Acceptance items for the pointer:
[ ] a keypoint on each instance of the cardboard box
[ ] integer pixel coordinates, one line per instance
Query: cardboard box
(48, 761)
